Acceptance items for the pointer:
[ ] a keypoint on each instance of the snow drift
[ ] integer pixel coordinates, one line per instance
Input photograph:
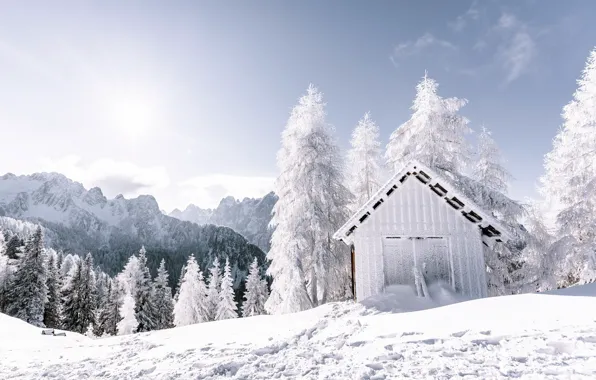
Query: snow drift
(533, 336)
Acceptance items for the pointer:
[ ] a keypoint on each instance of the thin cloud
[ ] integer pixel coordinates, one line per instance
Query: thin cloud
(472, 14)
(208, 190)
(517, 48)
(113, 177)
(424, 42)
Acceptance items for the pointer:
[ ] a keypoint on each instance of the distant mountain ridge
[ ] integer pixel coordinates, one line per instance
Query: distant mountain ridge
(80, 220)
(249, 217)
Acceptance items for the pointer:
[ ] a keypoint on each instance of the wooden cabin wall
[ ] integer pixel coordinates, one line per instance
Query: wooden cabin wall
(413, 210)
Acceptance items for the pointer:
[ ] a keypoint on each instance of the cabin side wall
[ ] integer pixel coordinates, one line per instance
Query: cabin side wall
(412, 210)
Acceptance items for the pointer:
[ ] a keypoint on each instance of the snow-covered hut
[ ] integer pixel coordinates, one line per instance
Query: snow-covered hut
(417, 229)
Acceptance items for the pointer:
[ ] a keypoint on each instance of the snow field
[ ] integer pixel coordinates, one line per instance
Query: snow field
(532, 336)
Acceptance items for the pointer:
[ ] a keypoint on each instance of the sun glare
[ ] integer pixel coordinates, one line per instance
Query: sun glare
(133, 114)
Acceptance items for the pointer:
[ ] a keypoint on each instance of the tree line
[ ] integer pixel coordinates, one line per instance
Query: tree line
(48, 289)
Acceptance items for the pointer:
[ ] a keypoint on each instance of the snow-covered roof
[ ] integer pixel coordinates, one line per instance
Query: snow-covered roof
(490, 227)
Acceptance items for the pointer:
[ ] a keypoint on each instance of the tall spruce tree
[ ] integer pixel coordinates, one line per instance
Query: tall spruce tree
(27, 294)
(109, 316)
(256, 294)
(226, 307)
(51, 316)
(489, 170)
(434, 135)
(364, 168)
(145, 311)
(307, 265)
(570, 180)
(191, 306)
(213, 289)
(79, 297)
(164, 304)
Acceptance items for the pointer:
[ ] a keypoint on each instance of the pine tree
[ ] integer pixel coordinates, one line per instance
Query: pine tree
(226, 307)
(488, 169)
(5, 272)
(213, 290)
(27, 295)
(191, 306)
(570, 180)
(109, 316)
(145, 311)
(255, 295)
(163, 299)
(434, 135)
(364, 161)
(14, 248)
(177, 293)
(79, 297)
(128, 322)
(51, 316)
(307, 265)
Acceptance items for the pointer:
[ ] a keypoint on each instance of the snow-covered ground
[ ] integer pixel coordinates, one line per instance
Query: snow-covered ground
(533, 336)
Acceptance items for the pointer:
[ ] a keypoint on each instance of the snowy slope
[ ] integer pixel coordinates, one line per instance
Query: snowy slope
(533, 336)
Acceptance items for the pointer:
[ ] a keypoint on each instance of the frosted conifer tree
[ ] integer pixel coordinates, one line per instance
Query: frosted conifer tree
(164, 304)
(434, 135)
(226, 307)
(177, 293)
(308, 266)
(27, 294)
(109, 315)
(191, 306)
(570, 180)
(5, 271)
(79, 297)
(364, 157)
(254, 295)
(214, 288)
(539, 256)
(51, 316)
(128, 324)
(488, 169)
(145, 311)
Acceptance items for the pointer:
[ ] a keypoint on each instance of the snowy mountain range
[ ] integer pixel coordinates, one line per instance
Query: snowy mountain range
(249, 217)
(80, 220)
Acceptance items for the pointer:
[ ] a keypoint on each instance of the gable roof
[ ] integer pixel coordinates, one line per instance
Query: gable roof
(491, 228)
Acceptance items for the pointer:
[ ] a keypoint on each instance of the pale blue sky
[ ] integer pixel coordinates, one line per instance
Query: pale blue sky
(187, 100)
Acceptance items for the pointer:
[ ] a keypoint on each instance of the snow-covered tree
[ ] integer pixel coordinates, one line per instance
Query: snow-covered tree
(131, 275)
(213, 289)
(109, 315)
(538, 255)
(191, 306)
(68, 263)
(177, 293)
(27, 294)
(164, 305)
(364, 167)
(79, 297)
(434, 135)
(226, 307)
(128, 322)
(488, 169)
(145, 311)
(570, 179)
(5, 272)
(307, 265)
(255, 295)
(51, 316)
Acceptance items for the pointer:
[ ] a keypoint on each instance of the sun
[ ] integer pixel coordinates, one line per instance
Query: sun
(132, 113)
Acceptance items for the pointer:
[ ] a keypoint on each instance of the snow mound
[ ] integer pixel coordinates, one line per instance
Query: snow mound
(402, 298)
(22, 335)
(531, 336)
(588, 290)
